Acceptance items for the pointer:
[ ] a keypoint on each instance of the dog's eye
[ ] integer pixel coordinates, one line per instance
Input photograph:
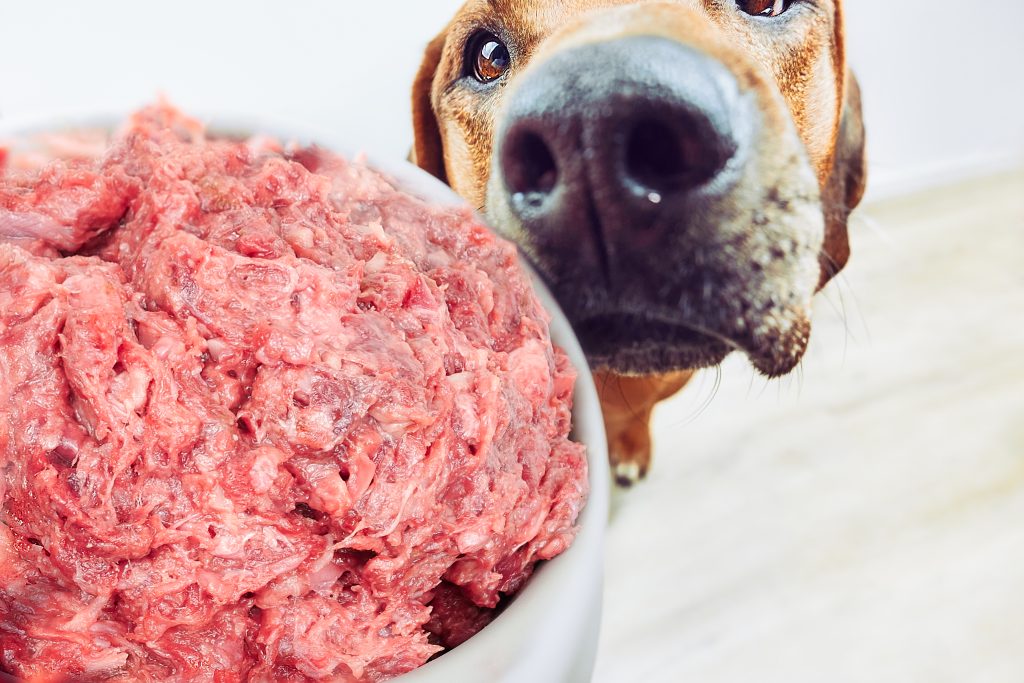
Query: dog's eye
(488, 57)
(764, 8)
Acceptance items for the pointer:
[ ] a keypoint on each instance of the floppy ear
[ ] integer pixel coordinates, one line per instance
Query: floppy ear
(428, 149)
(846, 182)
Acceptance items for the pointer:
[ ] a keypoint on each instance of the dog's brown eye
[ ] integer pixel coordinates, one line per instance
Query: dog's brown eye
(764, 8)
(489, 57)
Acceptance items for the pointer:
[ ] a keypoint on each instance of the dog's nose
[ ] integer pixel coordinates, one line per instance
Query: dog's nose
(601, 141)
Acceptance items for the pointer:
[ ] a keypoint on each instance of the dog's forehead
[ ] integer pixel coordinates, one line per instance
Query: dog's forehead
(530, 22)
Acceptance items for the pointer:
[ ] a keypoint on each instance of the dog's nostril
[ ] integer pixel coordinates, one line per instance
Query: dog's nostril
(530, 168)
(652, 158)
(663, 157)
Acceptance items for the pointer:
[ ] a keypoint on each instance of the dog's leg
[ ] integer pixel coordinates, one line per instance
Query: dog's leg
(627, 403)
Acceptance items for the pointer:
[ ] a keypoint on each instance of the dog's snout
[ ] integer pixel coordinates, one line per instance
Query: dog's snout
(602, 140)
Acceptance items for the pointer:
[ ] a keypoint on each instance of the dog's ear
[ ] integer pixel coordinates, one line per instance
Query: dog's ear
(846, 182)
(428, 148)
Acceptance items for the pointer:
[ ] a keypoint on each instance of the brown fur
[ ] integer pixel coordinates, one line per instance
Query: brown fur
(627, 403)
(801, 82)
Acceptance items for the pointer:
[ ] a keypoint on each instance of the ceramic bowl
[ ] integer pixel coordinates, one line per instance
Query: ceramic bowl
(548, 633)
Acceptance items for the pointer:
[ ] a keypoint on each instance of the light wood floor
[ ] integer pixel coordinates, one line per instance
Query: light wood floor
(863, 521)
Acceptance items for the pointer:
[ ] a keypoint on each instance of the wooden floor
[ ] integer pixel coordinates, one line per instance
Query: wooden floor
(862, 521)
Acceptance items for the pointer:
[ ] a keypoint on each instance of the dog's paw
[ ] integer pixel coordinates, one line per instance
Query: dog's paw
(627, 403)
(628, 473)
(629, 454)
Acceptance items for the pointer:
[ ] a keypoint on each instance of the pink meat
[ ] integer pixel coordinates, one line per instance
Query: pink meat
(265, 417)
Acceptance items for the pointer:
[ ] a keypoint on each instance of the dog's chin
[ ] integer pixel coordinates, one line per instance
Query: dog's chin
(634, 344)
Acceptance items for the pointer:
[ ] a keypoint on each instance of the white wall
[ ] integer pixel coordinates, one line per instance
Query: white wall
(943, 86)
(941, 77)
(340, 64)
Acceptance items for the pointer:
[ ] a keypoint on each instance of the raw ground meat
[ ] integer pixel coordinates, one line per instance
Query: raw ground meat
(264, 417)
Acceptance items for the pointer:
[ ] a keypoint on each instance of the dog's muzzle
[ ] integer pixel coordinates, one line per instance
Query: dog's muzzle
(632, 174)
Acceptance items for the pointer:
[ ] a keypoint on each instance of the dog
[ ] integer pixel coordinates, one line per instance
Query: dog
(679, 173)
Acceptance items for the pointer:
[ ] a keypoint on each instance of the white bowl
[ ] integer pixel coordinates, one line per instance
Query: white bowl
(549, 632)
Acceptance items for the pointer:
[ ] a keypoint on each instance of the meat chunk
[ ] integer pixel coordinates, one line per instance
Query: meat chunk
(266, 417)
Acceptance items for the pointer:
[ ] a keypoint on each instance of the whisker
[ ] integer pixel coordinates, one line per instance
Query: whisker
(843, 315)
(767, 384)
(750, 385)
(839, 281)
(800, 379)
(857, 309)
(862, 218)
(706, 403)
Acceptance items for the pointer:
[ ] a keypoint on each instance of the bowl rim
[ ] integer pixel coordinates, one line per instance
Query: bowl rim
(567, 590)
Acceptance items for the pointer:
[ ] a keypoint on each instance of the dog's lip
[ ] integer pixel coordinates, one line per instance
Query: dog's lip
(630, 343)
(620, 332)
(650, 325)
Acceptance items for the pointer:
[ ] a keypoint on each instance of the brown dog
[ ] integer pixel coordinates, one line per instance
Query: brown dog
(680, 173)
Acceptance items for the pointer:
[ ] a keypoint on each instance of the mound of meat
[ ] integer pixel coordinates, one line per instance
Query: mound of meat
(263, 417)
